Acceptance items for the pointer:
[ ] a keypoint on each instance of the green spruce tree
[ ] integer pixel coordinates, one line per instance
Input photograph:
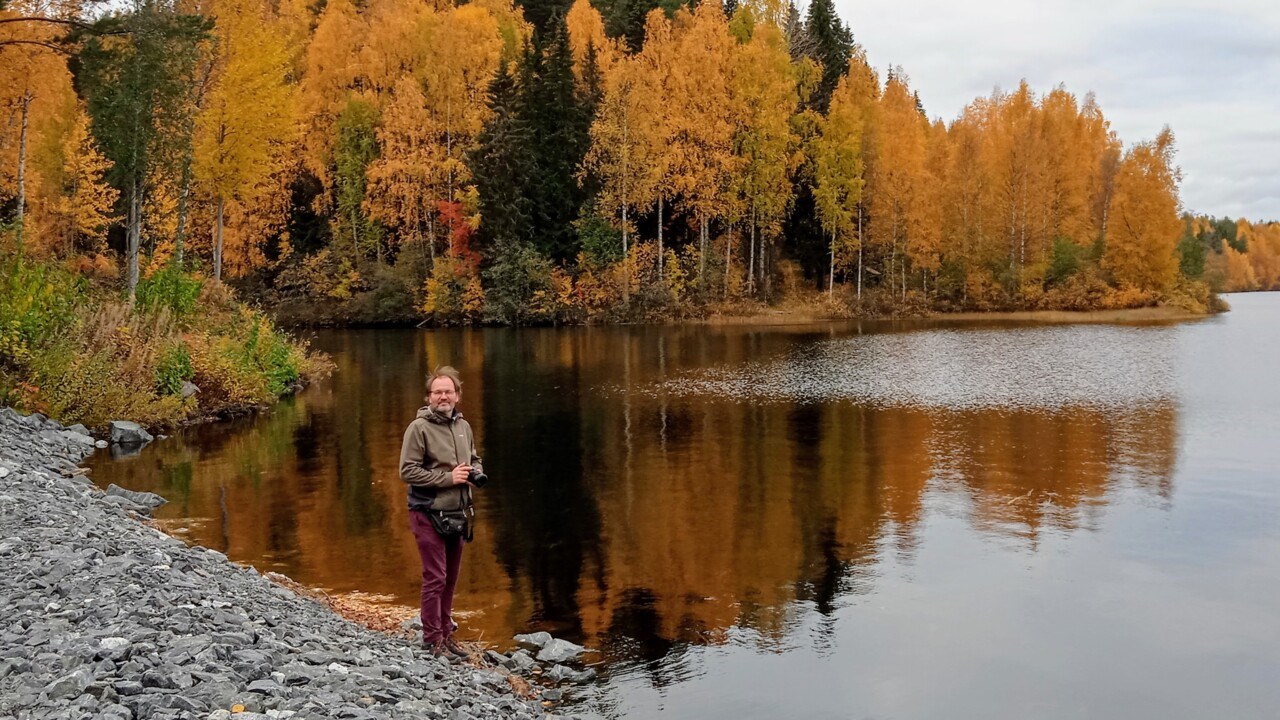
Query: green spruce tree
(502, 166)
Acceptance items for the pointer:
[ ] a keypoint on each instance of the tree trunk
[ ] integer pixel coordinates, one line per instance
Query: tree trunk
(22, 170)
(626, 259)
(702, 246)
(134, 235)
(217, 244)
(661, 277)
(431, 238)
(831, 279)
(728, 259)
(181, 235)
(860, 243)
(751, 263)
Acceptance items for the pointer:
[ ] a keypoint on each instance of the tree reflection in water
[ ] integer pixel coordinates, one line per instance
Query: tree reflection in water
(630, 513)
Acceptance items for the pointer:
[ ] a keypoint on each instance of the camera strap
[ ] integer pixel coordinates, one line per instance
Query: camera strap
(469, 512)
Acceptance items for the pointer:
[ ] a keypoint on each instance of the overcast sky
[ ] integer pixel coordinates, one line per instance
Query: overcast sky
(1209, 70)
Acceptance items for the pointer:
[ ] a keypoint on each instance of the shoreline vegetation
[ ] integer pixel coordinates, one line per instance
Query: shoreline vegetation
(184, 350)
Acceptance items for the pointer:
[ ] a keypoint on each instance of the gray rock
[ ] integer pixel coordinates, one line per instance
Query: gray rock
(115, 712)
(100, 444)
(264, 687)
(561, 673)
(129, 687)
(69, 686)
(125, 432)
(558, 651)
(143, 499)
(77, 437)
(188, 389)
(534, 641)
(167, 678)
(520, 662)
(114, 648)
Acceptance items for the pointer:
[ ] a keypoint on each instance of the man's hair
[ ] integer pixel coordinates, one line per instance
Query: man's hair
(445, 371)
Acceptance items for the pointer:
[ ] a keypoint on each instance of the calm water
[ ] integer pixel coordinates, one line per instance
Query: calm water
(826, 521)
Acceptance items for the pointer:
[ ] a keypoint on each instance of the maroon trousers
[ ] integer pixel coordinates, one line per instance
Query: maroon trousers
(441, 559)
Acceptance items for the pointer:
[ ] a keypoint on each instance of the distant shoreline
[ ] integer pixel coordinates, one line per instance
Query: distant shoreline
(806, 316)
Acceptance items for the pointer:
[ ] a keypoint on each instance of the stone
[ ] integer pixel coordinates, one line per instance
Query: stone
(558, 651)
(561, 673)
(115, 712)
(264, 687)
(188, 389)
(125, 432)
(520, 661)
(100, 444)
(143, 499)
(129, 687)
(69, 686)
(534, 641)
(167, 678)
(76, 437)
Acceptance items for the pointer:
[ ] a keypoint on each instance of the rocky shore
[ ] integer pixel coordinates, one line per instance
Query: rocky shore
(102, 616)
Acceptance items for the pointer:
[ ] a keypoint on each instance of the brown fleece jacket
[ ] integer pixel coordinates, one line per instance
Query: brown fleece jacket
(433, 446)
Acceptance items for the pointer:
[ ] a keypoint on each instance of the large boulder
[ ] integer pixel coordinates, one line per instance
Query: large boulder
(124, 432)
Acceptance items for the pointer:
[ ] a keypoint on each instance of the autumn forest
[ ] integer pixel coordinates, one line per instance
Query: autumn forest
(486, 161)
(173, 164)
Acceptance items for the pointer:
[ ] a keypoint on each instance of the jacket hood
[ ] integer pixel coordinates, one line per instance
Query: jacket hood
(430, 415)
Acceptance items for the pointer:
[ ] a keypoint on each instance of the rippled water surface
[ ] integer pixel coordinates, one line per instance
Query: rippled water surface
(822, 521)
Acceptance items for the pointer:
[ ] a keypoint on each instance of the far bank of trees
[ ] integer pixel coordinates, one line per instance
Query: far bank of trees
(393, 159)
(1231, 255)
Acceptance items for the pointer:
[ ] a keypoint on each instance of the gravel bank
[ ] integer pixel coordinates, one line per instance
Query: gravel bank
(102, 616)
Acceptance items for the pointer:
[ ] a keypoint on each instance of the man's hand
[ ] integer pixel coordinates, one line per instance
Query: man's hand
(460, 474)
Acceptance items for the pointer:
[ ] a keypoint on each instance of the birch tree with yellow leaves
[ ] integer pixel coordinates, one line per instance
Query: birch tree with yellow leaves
(247, 126)
(837, 155)
(763, 97)
(1145, 226)
(701, 148)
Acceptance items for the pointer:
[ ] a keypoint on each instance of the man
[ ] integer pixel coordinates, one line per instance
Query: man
(436, 459)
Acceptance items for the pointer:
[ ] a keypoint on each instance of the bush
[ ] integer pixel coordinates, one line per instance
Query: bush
(520, 274)
(85, 357)
(1064, 260)
(453, 293)
(173, 370)
(170, 289)
(601, 241)
(36, 302)
(104, 368)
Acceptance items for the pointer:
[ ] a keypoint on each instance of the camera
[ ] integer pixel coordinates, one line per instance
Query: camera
(477, 478)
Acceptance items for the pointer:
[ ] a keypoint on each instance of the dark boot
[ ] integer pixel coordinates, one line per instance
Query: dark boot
(438, 650)
(453, 647)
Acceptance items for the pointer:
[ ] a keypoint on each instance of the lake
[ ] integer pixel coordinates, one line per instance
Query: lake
(834, 520)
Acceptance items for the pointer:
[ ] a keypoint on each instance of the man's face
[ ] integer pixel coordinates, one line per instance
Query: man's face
(442, 396)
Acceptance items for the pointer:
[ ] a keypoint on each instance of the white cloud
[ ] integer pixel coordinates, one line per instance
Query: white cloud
(1211, 71)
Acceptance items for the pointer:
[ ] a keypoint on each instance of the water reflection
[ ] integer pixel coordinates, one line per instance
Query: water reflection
(635, 511)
